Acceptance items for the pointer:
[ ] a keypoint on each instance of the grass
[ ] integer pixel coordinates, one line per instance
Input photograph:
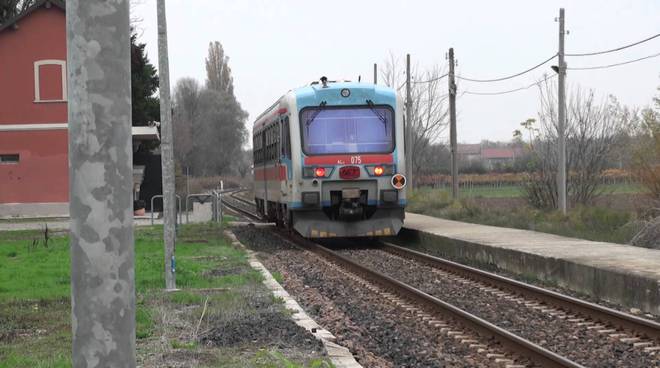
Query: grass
(592, 223)
(513, 191)
(35, 328)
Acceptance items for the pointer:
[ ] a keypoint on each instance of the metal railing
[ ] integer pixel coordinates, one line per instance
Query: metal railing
(178, 214)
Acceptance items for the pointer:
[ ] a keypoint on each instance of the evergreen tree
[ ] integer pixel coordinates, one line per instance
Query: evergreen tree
(144, 84)
(11, 8)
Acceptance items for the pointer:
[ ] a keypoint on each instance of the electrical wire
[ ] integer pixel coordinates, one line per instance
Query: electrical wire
(511, 90)
(431, 80)
(510, 76)
(616, 49)
(616, 64)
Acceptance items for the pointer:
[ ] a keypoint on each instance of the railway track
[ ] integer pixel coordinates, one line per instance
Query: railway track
(444, 311)
(644, 328)
(243, 207)
(611, 323)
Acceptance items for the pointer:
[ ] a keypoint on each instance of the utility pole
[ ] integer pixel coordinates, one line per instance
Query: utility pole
(409, 125)
(452, 127)
(561, 123)
(375, 73)
(100, 190)
(166, 154)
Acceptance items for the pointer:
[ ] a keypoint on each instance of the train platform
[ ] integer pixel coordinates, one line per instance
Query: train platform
(617, 273)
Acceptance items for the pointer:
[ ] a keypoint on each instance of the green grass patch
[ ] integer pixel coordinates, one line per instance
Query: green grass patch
(35, 308)
(144, 322)
(278, 277)
(35, 329)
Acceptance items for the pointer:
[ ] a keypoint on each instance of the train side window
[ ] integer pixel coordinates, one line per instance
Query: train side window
(287, 134)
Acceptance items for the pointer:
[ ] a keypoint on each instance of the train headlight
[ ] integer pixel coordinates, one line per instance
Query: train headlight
(319, 172)
(345, 92)
(380, 170)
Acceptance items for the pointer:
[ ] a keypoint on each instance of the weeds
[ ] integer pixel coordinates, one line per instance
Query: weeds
(592, 223)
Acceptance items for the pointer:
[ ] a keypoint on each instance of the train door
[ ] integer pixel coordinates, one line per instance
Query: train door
(285, 153)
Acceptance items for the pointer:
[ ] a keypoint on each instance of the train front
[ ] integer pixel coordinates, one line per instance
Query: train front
(352, 161)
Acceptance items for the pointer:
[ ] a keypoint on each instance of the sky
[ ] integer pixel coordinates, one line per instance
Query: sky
(277, 45)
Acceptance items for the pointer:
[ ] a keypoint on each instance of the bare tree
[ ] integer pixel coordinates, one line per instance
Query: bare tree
(185, 119)
(429, 108)
(593, 131)
(218, 71)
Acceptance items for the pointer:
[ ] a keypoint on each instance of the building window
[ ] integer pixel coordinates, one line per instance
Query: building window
(11, 158)
(50, 81)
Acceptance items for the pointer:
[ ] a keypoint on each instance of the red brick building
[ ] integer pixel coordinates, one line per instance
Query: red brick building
(34, 166)
(33, 112)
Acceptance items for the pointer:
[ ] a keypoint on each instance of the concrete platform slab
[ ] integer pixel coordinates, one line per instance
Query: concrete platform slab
(622, 274)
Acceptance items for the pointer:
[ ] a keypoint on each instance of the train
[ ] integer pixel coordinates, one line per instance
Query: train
(329, 160)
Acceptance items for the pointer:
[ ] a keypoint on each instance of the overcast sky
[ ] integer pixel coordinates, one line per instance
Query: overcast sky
(276, 45)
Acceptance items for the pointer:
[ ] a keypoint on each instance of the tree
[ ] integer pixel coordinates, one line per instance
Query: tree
(221, 133)
(144, 84)
(184, 119)
(11, 8)
(646, 155)
(593, 132)
(429, 110)
(209, 123)
(218, 72)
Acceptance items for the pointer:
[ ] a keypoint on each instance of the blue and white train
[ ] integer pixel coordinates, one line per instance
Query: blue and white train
(329, 160)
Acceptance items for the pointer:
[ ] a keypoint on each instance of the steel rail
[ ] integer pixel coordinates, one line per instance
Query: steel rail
(645, 327)
(240, 210)
(512, 342)
(235, 196)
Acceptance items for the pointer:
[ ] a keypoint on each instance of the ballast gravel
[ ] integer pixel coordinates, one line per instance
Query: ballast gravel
(379, 333)
(578, 343)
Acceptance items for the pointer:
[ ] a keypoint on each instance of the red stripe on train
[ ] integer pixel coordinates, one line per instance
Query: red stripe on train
(270, 173)
(349, 159)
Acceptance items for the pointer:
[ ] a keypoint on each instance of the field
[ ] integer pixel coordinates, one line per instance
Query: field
(612, 218)
(35, 328)
(512, 191)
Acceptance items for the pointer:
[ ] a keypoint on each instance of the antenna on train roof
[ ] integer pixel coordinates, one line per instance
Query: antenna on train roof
(324, 81)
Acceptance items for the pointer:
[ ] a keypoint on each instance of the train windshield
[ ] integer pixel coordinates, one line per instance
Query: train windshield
(355, 129)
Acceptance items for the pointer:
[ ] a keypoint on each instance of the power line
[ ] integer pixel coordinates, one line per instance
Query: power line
(616, 64)
(510, 76)
(511, 90)
(431, 80)
(616, 49)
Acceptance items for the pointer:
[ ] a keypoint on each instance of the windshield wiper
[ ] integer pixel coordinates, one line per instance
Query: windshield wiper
(372, 106)
(315, 114)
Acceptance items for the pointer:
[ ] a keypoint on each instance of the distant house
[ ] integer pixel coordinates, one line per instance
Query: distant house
(492, 157)
(34, 167)
(489, 157)
(469, 152)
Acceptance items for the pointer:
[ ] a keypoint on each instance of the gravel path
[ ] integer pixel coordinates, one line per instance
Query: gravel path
(378, 332)
(578, 343)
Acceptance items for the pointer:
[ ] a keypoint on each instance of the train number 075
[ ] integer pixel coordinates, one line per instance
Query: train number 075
(356, 159)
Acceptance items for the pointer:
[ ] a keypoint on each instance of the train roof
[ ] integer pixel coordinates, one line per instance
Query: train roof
(314, 94)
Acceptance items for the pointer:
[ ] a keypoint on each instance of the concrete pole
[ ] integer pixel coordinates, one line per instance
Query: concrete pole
(561, 123)
(375, 73)
(452, 127)
(101, 183)
(409, 125)
(166, 151)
